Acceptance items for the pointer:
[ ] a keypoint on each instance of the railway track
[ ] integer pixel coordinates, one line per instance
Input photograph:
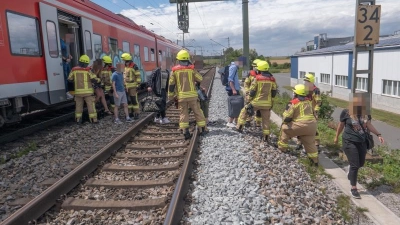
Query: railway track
(150, 165)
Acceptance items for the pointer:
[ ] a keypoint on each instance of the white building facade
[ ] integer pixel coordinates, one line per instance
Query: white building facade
(332, 68)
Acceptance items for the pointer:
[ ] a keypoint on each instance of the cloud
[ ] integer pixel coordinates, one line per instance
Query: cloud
(276, 27)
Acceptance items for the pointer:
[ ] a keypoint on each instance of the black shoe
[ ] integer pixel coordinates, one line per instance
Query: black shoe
(136, 116)
(204, 131)
(248, 124)
(188, 136)
(316, 164)
(79, 121)
(240, 129)
(299, 147)
(319, 150)
(266, 138)
(355, 194)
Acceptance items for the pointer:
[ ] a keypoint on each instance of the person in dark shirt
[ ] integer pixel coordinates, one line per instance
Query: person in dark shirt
(356, 125)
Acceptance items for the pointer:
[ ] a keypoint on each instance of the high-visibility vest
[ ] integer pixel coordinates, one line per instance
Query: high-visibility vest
(299, 110)
(184, 78)
(249, 80)
(132, 76)
(83, 79)
(263, 86)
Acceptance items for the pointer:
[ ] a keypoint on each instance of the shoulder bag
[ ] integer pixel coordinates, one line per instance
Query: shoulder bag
(369, 140)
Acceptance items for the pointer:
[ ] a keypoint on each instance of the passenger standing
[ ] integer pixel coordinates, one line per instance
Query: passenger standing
(183, 80)
(83, 79)
(132, 81)
(233, 88)
(247, 84)
(261, 93)
(66, 60)
(299, 120)
(106, 74)
(119, 94)
(357, 125)
(158, 84)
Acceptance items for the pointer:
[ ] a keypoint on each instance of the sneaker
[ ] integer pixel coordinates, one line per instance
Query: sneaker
(69, 96)
(355, 194)
(129, 120)
(165, 121)
(117, 121)
(231, 125)
(157, 120)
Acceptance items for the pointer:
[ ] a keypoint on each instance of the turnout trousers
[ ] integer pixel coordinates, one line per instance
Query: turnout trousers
(133, 103)
(305, 131)
(265, 116)
(90, 102)
(194, 105)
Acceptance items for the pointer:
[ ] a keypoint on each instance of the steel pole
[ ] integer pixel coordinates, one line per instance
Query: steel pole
(245, 15)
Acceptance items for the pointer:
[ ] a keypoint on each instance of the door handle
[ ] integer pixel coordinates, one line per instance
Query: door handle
(56, 74)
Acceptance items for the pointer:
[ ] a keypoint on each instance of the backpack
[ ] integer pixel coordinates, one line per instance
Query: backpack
(224, 76)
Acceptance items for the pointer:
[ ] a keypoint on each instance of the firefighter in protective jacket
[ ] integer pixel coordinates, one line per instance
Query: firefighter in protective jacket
(132, 81)
(314, 94)
(182, 84)
(261, 93)
(247, 84)
(299, 120)
(105, 77)
(83, 78)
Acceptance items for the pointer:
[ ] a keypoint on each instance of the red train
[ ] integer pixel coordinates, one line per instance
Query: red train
(31, 61)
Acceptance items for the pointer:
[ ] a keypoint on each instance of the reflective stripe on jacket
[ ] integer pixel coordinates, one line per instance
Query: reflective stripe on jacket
(132, 76)
(83, 78)
(315, 97)
(105, 77)
(299, 110)
(263, 87)
(184, 78)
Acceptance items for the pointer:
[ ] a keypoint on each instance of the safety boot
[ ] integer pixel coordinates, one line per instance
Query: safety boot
(204, 131)
(187, 134)
(319, 150)
(266, 139)
(240, 129)
(79, 121)
(136, 116)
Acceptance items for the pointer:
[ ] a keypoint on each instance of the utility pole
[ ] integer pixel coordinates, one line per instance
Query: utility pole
(229, 44)
(245, 14)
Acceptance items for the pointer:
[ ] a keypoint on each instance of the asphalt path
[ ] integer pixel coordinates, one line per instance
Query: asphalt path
(389, 133)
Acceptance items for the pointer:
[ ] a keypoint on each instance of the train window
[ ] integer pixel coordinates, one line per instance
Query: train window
(136, 50)
(88, 44)
(23, 33)
(146, 54)
(98, 48)
(125, 47)
(152, 54)
(160, 55)
(52, 39)
(113, 45)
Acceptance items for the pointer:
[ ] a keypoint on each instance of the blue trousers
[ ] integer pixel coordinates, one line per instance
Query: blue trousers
(67, 70)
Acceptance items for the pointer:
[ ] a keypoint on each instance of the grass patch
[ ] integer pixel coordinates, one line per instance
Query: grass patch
(344, 206)
(276, 70)
(274, 128)
(313, 171)
(388, 117)
(31, 147)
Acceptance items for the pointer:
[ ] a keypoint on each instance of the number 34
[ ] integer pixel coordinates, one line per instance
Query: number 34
(374, 15)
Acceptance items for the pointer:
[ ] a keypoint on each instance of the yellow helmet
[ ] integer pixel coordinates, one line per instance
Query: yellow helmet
(300, 89)
(84, 59)
(262, 66)
(107, 59)
(255, 62)
(183, 55)
(126, 57)
(309, 77)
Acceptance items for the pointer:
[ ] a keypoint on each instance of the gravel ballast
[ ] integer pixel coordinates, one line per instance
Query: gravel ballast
(241, 180)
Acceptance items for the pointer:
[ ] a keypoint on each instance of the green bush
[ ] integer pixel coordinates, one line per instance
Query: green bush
(326, 109)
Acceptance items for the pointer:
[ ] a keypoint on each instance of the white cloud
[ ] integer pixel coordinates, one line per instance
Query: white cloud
(279, 27)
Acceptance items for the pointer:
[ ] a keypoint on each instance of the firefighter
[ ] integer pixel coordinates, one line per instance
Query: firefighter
(314, 94)
(261, 93)
(83, 78)
(132, 81)
(299, 120)
(247, 84)
(182, 85)
(105, 77)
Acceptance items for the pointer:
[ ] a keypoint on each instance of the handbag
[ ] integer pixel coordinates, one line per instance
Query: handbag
(149, 104)
(369, 140)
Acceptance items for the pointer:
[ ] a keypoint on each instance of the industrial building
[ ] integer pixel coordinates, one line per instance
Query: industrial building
(332, 68)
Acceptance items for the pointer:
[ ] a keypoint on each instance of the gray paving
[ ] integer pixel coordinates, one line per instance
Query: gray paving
(390, 133)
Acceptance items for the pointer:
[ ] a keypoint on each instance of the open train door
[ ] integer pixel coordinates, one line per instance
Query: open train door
(52, 52)
(87, 31)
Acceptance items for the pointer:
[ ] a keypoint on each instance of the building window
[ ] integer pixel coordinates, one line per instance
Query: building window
(146, 54)
(88, 43)
(302, 74)
(136, 49)
(52, 39)
(113, 45)
(391, 87)
(341, 81)
(362, 84)
(125, 47)
(98, 48)
(152, 54)
(23, 32)
(325, 78)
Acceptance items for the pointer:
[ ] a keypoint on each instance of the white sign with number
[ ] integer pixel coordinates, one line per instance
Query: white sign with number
(368, 24)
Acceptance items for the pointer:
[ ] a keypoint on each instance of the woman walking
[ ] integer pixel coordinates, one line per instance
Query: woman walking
(357, 127)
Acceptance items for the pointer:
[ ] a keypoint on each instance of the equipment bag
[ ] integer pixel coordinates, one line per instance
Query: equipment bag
(235, 105)
(224, 76)
(151, 104)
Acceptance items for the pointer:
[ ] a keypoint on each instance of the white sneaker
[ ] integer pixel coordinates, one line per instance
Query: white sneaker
(165, 121)
(117, 121)
(69, 96)
(157, 120)
(231, 125)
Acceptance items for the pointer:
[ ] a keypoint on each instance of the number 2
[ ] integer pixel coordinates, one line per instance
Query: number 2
(367, 38)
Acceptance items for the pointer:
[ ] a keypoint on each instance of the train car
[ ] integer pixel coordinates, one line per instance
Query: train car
(30, 47)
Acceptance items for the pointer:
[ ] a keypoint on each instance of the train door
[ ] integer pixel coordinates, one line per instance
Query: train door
(87, 32)
(52, 49)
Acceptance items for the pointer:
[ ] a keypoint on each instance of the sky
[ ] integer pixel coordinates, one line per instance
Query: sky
(276, 27)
